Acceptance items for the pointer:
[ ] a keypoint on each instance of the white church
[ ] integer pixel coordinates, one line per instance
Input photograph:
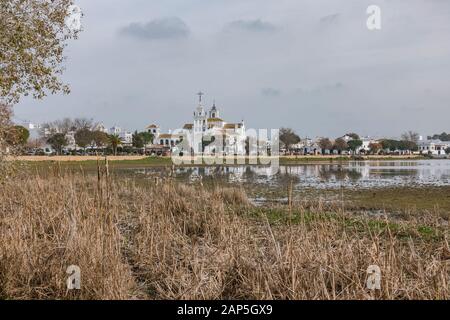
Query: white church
(208, 133)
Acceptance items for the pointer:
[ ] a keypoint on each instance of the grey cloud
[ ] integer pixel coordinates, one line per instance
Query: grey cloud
(270, 92)
(165, 28)
(251, 25)
(352, 78)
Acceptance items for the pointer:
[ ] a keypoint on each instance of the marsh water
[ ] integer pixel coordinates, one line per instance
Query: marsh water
(354, 174)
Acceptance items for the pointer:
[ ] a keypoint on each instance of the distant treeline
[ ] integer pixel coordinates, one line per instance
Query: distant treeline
(443, 137)
(402, 145)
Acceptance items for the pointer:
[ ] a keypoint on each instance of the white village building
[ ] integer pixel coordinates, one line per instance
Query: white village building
(154, 130)
(366, 144)
(207, 133)
(433, 147)
(126, 137)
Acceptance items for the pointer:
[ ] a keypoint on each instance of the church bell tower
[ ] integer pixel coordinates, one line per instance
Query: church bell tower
(214, 112)
(200, 116)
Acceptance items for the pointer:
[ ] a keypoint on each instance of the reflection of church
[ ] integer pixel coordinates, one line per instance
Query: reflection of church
(203, 133)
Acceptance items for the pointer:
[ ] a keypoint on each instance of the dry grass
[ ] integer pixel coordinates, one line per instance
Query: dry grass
(169, 241)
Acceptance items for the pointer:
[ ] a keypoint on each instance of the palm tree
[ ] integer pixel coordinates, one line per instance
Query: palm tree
(114, 141)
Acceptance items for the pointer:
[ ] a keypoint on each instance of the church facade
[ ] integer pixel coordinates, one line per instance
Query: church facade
(208, 134)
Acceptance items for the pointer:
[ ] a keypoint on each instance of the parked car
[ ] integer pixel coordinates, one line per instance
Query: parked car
(39, 152)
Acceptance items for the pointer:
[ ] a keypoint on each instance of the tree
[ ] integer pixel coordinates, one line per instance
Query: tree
(394, 145)
(340, 145)
(17, 136)
(5, 123)
(11, 137)
(58, 126)
(137, 140)
(33, 35)
(410, 136)
(141, 139)
(325, 144)
(114, 141)
(447, 151)
(443, 136)
(83, 138)
(390, 145)
(375, 147)
(147, 137)
(354, 145)
(288, 137)
(408, 146)
(82, 123)
(100, 138)
(57, 141)
(66, 125)
(353, 135)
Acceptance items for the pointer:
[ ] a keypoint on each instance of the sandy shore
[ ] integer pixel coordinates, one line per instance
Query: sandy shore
(73, 158)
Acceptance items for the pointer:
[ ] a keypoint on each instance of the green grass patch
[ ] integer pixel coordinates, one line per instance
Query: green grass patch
(402, 230)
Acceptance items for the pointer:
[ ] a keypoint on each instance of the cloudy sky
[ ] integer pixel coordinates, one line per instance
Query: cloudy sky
(307, 64)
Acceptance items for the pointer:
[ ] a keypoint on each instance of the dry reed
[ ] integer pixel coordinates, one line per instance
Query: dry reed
(170, 241)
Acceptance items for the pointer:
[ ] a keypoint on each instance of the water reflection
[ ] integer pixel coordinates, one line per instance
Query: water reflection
(365, 174)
